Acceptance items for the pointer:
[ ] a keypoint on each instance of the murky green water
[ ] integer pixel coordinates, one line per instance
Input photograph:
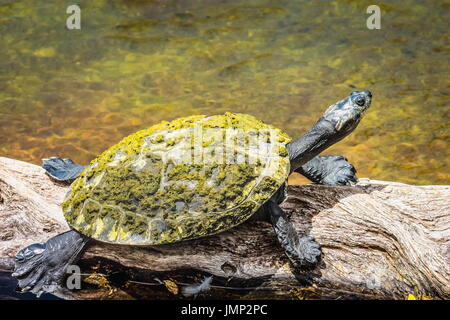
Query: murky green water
(135, 63)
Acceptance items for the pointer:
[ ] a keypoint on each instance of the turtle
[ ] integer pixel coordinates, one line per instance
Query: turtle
(189, 178)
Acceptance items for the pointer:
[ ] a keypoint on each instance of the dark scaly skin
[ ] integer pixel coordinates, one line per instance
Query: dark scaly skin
(64, 170)
(329, 170)
(302, 250)
(41, 267)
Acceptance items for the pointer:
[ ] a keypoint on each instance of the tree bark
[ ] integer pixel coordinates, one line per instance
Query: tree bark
(380, 240)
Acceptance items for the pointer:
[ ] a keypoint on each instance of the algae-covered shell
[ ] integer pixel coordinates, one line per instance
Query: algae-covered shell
(177, 180)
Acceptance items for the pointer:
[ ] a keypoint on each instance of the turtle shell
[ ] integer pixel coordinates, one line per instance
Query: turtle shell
(178, 180)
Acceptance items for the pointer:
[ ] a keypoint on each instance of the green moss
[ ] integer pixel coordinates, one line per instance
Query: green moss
(90, 211)
(207, 142)
(180, 172)
(110, 211)
(221, 175)
(170, 142)
(282, 151)
(135, 224)
(145, 188)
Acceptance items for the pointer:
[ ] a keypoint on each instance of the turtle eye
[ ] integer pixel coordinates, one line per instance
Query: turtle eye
(360, 101)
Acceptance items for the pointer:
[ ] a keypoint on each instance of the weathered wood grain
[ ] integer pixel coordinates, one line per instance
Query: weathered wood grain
(379, 240)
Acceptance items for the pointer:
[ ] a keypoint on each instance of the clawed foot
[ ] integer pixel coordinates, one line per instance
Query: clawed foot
(36, 271)
(305, 252)
(329, 170)
(41, 267)
(62, 169)
(340, 172)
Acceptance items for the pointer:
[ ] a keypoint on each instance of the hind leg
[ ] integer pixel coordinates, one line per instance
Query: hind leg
(302, 250)
(62, 169)
(41, 267)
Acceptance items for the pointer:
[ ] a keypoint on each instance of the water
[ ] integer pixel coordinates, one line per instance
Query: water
(134, 63)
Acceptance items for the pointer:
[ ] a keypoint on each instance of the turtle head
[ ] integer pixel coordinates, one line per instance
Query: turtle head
(337, 122)
(346, 114)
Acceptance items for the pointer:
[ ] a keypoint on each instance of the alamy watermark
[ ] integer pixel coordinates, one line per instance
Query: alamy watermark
(73, 22)
(210, 146)
(74, 279)
(374, 20)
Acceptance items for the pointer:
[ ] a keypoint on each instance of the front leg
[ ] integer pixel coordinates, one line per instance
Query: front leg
(303, 251)
(64, 170)
(329, 170)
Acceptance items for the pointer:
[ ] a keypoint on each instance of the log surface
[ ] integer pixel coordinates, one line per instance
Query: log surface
(380, 240)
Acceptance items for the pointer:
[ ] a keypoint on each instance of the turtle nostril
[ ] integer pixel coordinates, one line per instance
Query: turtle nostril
(368, 93)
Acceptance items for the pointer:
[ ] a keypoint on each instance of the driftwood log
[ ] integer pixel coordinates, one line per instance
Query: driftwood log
(380, 240)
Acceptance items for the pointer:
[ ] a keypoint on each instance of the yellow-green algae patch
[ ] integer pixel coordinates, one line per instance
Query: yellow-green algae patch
(149, 188)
